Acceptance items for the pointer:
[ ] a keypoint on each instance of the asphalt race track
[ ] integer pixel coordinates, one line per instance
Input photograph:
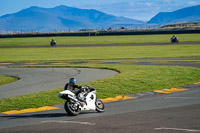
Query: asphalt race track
(150, 113)
(162, 113)
(40, 79)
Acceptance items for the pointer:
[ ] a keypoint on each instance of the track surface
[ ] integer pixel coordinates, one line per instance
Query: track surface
(162, 113)
(146, 114)
(40, 79)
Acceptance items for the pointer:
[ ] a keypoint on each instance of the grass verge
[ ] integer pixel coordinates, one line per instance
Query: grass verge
(92, 53)
(34, 41)
(131, 80)
(7, 79)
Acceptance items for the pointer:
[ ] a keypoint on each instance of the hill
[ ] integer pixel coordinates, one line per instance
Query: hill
(60, 18)
(182, 26)
(189, 14)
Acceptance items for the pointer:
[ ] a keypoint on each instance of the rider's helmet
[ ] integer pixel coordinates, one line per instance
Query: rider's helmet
(72, 80)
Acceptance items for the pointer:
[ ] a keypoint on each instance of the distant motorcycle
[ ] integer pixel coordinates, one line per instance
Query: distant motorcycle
(53, 43)
(174, 39)
(86, 100)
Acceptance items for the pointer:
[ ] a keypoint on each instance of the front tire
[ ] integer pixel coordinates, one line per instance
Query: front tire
(71, 108)
(100, 107)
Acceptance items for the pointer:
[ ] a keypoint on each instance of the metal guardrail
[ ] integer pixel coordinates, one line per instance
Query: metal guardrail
(104, 33)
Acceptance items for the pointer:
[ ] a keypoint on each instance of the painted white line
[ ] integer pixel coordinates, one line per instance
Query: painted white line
(177, 129)
(71, 122)
(196, 98)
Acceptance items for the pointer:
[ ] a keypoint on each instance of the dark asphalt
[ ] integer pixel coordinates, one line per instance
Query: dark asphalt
(161, 113)
(34, 80)
(188, 64)
(177, 61)
(138, 122)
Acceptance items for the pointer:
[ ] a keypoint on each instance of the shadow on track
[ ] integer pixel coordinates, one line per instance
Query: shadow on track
(48, 115)
(44, 115)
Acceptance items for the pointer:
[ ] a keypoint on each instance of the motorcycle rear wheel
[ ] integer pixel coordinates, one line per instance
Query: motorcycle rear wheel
(71, 108)
(100, 107)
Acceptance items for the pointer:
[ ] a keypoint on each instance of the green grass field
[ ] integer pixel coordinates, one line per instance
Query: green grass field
(131, 79)
(32, 41)
(7, 79)
(91, 53)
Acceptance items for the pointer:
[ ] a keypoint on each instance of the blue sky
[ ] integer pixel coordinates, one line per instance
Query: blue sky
(136, 9)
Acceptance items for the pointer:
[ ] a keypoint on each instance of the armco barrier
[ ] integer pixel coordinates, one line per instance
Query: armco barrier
(100, 33)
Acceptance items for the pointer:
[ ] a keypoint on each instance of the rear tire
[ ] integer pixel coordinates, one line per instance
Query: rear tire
(71, 109)
(100, 107)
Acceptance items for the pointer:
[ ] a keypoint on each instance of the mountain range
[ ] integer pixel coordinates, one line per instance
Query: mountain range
(66, 18)
(189, 14)
(61, 17)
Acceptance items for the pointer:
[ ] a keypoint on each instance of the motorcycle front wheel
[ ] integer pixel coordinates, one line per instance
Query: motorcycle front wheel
(100, 107)
(71, 108)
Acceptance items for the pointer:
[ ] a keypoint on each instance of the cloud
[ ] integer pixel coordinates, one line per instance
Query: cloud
(167, 1)
(193, 3)
(148, 4)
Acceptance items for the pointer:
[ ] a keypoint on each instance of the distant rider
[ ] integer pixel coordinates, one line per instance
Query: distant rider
(53, 42)
(174, 39)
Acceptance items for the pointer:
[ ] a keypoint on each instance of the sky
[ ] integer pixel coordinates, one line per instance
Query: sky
(135, 9)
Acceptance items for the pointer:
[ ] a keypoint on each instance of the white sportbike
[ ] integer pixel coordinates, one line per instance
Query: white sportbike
(85, 100)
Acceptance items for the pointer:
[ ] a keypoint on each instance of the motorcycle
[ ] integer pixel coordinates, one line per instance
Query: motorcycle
(53, 43)
(174, 40)
(85, 100)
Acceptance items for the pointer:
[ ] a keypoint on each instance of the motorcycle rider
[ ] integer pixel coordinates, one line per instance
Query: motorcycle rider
(72, 86)
(53, 42)
(174, 39)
